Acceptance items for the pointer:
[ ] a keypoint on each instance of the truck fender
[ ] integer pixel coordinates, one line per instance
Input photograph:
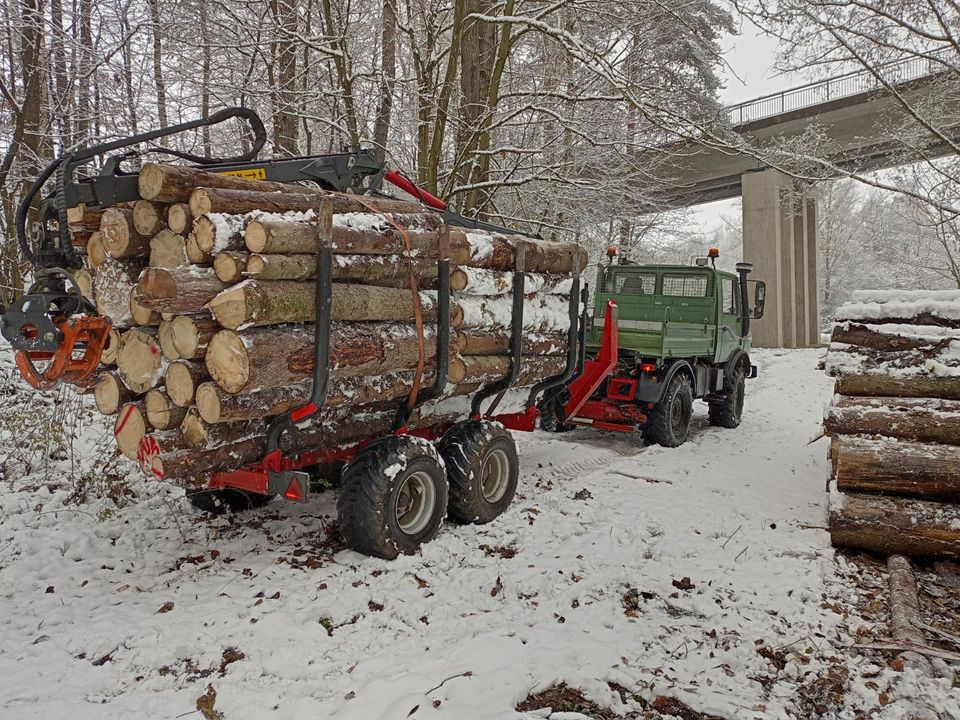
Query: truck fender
(680, 366)
(739, 358)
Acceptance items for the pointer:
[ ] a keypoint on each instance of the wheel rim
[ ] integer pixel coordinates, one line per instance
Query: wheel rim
(676, 415)
(495, 475)
(415, 503)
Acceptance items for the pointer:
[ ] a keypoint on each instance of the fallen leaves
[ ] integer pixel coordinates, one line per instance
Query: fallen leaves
(683, 584)
(230, 655)
(206, 702)
(165, 608)
(497, 588)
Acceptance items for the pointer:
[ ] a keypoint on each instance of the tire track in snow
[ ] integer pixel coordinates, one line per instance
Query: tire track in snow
(598, 459)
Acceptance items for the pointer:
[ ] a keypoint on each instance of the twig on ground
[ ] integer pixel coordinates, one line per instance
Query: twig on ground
(739, 527)
(887, 644)
(468, 673)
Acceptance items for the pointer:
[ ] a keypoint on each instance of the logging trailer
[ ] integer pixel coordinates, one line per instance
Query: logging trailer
(657, 349)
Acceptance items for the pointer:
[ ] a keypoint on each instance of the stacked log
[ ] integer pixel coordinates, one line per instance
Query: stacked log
(210, 281)
(894, 424)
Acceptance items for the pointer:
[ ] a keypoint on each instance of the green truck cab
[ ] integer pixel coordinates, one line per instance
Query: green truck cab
(681, 333)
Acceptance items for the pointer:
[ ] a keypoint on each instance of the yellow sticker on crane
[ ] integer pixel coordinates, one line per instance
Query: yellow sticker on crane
(247, 173)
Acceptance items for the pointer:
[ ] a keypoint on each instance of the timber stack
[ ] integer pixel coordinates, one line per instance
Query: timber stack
(894, 424)
(210, 283)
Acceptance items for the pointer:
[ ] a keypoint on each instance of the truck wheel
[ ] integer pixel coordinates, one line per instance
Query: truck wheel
(393, 496)
(218, 502)
(668, 424)
(482, 467)
(728, 411)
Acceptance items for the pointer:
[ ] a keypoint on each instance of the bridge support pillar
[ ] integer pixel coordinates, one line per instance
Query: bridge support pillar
(780, 239)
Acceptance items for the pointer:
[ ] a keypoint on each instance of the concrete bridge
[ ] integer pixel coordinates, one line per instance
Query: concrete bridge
(860, 128)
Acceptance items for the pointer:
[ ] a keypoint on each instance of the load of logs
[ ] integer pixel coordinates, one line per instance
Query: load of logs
(210, 282)
(895, 424)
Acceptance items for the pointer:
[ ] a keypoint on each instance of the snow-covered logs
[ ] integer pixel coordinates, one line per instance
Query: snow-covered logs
(895, 423)
(210, 282)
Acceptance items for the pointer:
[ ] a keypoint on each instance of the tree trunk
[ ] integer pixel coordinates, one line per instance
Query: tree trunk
(283, 87)
(499, 252)
(79, 217)
(110, 393)
(114, 281)
(905, 619)
(388, 70)
(175, 183)
(180, 219)
(112, 348)
(358, 233)
(119, 237)
(382, 270)
(158, 66)
(182, 291)
(489, 368)
(927, 471)
(130, 427)
(191, 335)
(168, 250)
(215, 199)
(195, 255)
(883, 385)
(276, 356)
(96, 255)
(165, 338)
(896, 526)
(861, 335)
(257, 303)
(498, 343)
(936, 421)
(218, 233)
(200, 435)
(141, 314)
(162, 414)
(182, 380)
(140, 360)
(230, 266)
(148, 217)
(479, 281)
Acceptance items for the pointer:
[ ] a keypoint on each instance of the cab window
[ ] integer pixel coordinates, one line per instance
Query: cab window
(685, 285)
(634, 283)
(728, 296)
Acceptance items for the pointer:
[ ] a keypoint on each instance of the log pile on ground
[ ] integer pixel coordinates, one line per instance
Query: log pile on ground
(895, 424)
(210, 280)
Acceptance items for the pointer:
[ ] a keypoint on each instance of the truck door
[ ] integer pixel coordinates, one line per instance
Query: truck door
(729, 323)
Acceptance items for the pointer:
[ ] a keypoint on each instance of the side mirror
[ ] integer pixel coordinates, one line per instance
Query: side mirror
(759, 297)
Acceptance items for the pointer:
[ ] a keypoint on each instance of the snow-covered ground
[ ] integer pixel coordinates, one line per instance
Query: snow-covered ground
(702, 572)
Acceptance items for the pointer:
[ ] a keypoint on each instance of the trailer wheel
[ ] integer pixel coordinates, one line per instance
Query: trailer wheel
(668, 424)
(393, 496)
(482, 467)
(728, 411)
(551, 411)
(223, 500)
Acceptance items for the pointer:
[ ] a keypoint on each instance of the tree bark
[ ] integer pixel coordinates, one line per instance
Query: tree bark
(257, 303)
(499, 252)
(883, 385)
(182, 380)
(168, 250)
(141, 314)
(896, 526)
(119, 237)
(489, 368)
(130, 427)
(479, 281)
(191, 335)
(861, 335)
(217, 199)
(276, 356)
(148, 217)
(358, 233)
(162, 414)
(179, 219)
(230, 266)
(498, 343)
(79, 217)
(927, 471)
(936, 421)
(905, 619)
(181, 291)
(381, 270)
(110, 393)
(200, 435)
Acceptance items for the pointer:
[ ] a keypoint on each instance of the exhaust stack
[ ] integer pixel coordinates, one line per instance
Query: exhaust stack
(744, 269)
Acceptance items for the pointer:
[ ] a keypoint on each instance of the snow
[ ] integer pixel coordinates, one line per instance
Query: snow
(226, 227)
(884, 304)
(361, 221)
(118, 610)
